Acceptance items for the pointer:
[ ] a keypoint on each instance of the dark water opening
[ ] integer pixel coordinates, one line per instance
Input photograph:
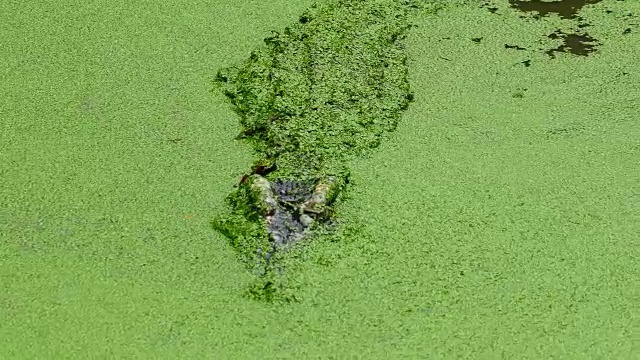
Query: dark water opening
(566, 9)
(577, 43)
(574, 43)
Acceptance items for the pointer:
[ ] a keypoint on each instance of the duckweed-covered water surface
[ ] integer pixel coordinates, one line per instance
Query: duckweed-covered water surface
(499, 219)
(318, 94)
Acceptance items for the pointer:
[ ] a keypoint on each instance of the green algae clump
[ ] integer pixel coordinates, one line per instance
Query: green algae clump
(326, 89)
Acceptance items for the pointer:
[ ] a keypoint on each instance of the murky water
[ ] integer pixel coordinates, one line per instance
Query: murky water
(566, 9)
(578, 43)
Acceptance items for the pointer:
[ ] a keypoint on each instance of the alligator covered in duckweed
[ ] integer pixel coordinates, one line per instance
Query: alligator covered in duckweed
(290, 208)
(321, 93)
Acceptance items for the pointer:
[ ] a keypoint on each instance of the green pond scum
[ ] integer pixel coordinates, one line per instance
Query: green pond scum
(322, 92)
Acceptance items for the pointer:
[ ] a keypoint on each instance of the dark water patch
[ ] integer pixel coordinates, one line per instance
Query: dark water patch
(515, 47)
(526, 63)
(492, 9)
(566, 9)
(577, 43)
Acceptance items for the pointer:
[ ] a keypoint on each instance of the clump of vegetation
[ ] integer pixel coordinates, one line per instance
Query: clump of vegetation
(316, 95)
(325, 89)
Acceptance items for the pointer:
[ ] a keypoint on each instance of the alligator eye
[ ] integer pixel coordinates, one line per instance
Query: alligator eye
(244, 178)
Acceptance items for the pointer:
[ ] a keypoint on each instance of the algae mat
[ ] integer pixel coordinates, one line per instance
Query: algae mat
(500, 218)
